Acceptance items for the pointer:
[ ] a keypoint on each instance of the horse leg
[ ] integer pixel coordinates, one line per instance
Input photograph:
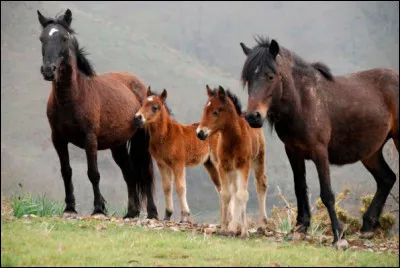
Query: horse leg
(213, 172)
(166, 175)
(121, 157)
(241, 198)
(225, 198)
(385, 179)
(66, 171)
(300, 186)
(321, 161)
(261, 187)
(93, 173)
(180, 187)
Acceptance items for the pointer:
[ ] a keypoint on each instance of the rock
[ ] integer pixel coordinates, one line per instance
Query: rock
(252, 231)
(368, 244)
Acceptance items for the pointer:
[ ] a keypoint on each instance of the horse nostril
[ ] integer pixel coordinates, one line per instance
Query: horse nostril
(53, 67)
(257, 115)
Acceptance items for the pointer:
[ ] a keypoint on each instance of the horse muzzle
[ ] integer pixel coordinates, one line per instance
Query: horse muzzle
(254, 119)
(202, 134)
(48, 72)
(138, 120)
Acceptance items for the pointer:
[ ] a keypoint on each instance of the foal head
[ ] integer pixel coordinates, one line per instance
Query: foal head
(263, 77)
(218, 111)
(58, 41)
(153, 106)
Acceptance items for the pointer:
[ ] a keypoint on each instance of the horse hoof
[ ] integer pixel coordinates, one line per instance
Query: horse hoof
(367, 235)
(244, 236)
(342, 244)
(260, 231)
(224, 232)
(152, 217)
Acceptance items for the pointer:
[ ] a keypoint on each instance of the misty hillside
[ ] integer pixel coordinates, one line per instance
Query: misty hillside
(180, 46)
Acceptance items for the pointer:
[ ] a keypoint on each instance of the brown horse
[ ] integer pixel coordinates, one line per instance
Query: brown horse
(174, 146)
(94, 112)
(328, 119)
(239, 148)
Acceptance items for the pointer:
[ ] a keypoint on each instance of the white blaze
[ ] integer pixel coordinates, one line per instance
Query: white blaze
(150, 99)
(53, 30)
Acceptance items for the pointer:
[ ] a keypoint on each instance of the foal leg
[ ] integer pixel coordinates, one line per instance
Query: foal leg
(166, 176)
(93, 173)
(180, 187)
(385, 179)
(225, 198)
(321, 161)
(300, 187)
(261, 187)
(241, 198)
(66, 171)
(121, 157)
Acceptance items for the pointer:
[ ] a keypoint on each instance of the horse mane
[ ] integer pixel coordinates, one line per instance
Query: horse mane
(260, 56)
(84, 65)
(165, 102)
(235, 100)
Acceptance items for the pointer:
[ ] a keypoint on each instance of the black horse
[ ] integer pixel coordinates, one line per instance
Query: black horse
(324, 118)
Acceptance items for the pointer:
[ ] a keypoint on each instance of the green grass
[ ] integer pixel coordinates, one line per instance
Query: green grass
(26, 204)
(46, 241)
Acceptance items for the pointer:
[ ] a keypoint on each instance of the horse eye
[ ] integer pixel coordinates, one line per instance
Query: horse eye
(269, 76)
(65, 38)
(215, 113)
(41, 39)
(154, 108)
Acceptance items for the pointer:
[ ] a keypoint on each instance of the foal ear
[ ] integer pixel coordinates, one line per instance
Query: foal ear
(209, 91)
(67, 17)
(148, 91)
(246, 50)
(274, 48)
(221, 93)
(42, 19)
(163, 95)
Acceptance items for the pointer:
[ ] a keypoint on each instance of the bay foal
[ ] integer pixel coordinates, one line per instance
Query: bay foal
(239, 148)
(174, 146)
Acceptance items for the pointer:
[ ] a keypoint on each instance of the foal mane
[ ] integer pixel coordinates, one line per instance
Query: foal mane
(260, 56)
(84, 65)
(235, 100)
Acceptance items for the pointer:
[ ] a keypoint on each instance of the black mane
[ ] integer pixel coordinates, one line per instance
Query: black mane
(260, 56)
(235, 100)
(82, 62)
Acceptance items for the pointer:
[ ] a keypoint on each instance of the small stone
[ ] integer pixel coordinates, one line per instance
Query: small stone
(368, 244)
(342, 244)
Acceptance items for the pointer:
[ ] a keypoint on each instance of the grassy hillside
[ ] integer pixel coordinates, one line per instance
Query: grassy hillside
(56, 242)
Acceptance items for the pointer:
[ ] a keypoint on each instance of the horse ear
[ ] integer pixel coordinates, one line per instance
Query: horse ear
(209, 91)
(164, 95)
(274, 48)
(148, 91)
(42, 19)
(221, 93)
(68, 17)
(246, 50)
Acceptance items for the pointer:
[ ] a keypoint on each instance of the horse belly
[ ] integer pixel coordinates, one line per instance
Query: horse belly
(350, 147)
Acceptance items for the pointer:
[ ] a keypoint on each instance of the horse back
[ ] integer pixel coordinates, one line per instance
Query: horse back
(133, 82)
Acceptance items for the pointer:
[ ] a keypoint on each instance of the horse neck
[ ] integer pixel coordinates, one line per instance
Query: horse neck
(231, 131)
(159, 129)
(66, 86)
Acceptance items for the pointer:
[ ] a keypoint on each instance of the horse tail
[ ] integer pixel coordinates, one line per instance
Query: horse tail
(142, 165)
(323, 69)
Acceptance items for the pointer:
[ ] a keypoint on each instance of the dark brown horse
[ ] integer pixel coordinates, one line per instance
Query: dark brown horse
(94, 112)
(324, 118)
